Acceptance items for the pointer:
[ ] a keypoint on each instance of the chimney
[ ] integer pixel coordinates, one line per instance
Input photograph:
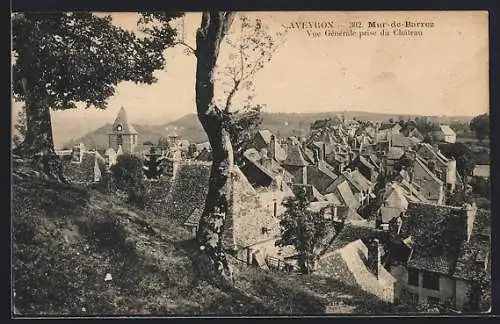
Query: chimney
(374, 257)
(323, 157)
(275, 207)
(471, 211)
(272, 147)
(316, 156)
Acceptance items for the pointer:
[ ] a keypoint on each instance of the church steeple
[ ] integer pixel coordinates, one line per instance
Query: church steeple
(121, 124)
(123, 135)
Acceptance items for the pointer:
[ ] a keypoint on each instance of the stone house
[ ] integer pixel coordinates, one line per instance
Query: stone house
(481, 171)
(445, 246)
(356, 258)
(296, 164)
(432, 188)
(394, 204)
(444, 168)
(444, 134)
(366, 167)
(254, 227)
(262, 170)
(361, 187)
(390, 160)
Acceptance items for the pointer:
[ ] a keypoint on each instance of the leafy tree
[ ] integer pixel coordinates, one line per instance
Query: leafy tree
(481, 126)
(153, 167)
(303, 229)
(251, 46)
(128, 177)
(217, 118)
(242, 128)
(62, 59)
(462, 154)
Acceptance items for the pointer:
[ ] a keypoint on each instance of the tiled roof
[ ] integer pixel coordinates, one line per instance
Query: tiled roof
(333, 198)
(398, 140)
(366, 163)
(327, 170)
(437, 232)
(351, 233)
(447, 131)
(420, 162)
(266, 135)
(358, 180)
(347, 195)
(295, 157)
(438, 264)
(394, 153)
(122, 120)
(481, 170)
(384, 126)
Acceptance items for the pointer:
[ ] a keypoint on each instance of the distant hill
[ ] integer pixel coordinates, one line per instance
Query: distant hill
(286, 124)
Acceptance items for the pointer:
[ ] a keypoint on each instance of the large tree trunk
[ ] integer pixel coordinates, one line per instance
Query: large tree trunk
(38, 143)
(213, 28)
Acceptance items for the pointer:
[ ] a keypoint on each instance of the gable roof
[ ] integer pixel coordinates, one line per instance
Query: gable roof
(394, 153)
(447, 131)
(398, 140)
(477, 249)
(266, 135)
(437, 233)
(358, 180)
(347, 195)
(436, 153)
(422, 164)
(481, 170)
(121, 119)
(350, 233)
(295, 157)
(394, 203)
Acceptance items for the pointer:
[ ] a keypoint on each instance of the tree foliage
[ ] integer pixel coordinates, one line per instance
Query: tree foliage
(302, 228)
(480, 125)
(250, 47)
(62, 59)
(153, 165)
(79, 57)
(128, 177)
(462, 154)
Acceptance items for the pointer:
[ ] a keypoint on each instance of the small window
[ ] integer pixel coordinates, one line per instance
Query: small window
(433, 300)
(431, 281)
(119, 128)
(413, 277)
(119, 140)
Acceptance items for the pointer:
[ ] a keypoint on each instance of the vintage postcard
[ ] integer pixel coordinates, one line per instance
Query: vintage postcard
(250, 163)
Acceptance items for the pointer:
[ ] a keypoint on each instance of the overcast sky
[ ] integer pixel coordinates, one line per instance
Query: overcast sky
(444, 72)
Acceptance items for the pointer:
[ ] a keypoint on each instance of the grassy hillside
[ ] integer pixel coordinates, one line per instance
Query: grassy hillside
(67, 239)
(188, 127)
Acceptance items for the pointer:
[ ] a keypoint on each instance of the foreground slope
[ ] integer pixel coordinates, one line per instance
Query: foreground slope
(79, 251)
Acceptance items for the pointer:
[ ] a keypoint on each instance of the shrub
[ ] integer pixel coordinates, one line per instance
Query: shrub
(128, 177)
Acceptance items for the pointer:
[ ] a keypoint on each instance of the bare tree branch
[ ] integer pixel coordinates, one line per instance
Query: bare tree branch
(189, 47)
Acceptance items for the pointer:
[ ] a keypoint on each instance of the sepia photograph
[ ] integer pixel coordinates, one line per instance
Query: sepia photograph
(253, 163)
